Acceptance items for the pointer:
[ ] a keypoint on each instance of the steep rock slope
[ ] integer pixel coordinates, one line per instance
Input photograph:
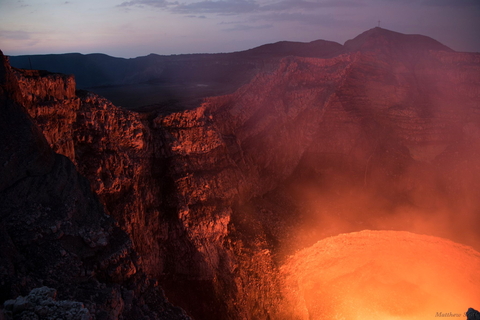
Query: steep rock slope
(125, 156)
(54, 230)
(173, 181)
(229, 150)
(215, 197)
(104, 141)
(401, 140)
(391, 134)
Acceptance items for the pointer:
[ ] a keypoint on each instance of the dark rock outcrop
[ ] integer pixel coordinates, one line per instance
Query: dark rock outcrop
(41, 303)
(473, 314)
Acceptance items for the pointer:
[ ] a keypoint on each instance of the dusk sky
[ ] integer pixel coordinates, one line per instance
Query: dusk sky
(139, 27)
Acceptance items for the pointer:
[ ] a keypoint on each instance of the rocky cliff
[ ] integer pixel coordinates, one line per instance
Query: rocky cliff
(54, 230)
(383, 136)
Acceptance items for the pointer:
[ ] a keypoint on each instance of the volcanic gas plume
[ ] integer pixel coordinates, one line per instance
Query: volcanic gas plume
(382, 275)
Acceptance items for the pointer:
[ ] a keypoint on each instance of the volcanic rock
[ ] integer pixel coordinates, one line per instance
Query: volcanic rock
(41, 303)
(214, 198)
(54, 230)
(473, 314)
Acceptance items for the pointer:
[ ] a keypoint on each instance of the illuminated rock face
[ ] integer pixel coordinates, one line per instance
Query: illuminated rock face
(382, 275)
(53, 229)
(213, 198)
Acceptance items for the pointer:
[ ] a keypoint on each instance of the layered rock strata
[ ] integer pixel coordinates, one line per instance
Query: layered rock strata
(54, 230)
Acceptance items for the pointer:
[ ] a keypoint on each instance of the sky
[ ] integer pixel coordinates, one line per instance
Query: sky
(131, 28)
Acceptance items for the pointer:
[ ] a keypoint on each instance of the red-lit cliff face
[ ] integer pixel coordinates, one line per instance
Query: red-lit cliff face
(54, 232)
(383, 136)
(129, 160)
(316, 147)
(109, 146)
(398, 149)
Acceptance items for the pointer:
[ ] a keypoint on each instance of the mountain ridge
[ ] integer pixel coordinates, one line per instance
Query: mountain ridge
(380, 38)
(376, 31)
(185, 79)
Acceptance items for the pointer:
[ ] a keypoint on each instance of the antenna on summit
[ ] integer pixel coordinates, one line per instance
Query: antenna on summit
(378, 24)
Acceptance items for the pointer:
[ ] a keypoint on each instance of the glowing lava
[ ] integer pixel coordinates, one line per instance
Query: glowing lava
(382, 275)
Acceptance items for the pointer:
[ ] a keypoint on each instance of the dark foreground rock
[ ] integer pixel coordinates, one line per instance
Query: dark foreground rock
(473, 314)
(41, 303)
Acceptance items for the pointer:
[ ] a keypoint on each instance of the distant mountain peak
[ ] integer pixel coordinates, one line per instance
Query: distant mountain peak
(380, 39)
(317, 48)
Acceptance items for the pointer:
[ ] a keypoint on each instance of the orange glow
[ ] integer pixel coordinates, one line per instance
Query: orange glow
(382, 275)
